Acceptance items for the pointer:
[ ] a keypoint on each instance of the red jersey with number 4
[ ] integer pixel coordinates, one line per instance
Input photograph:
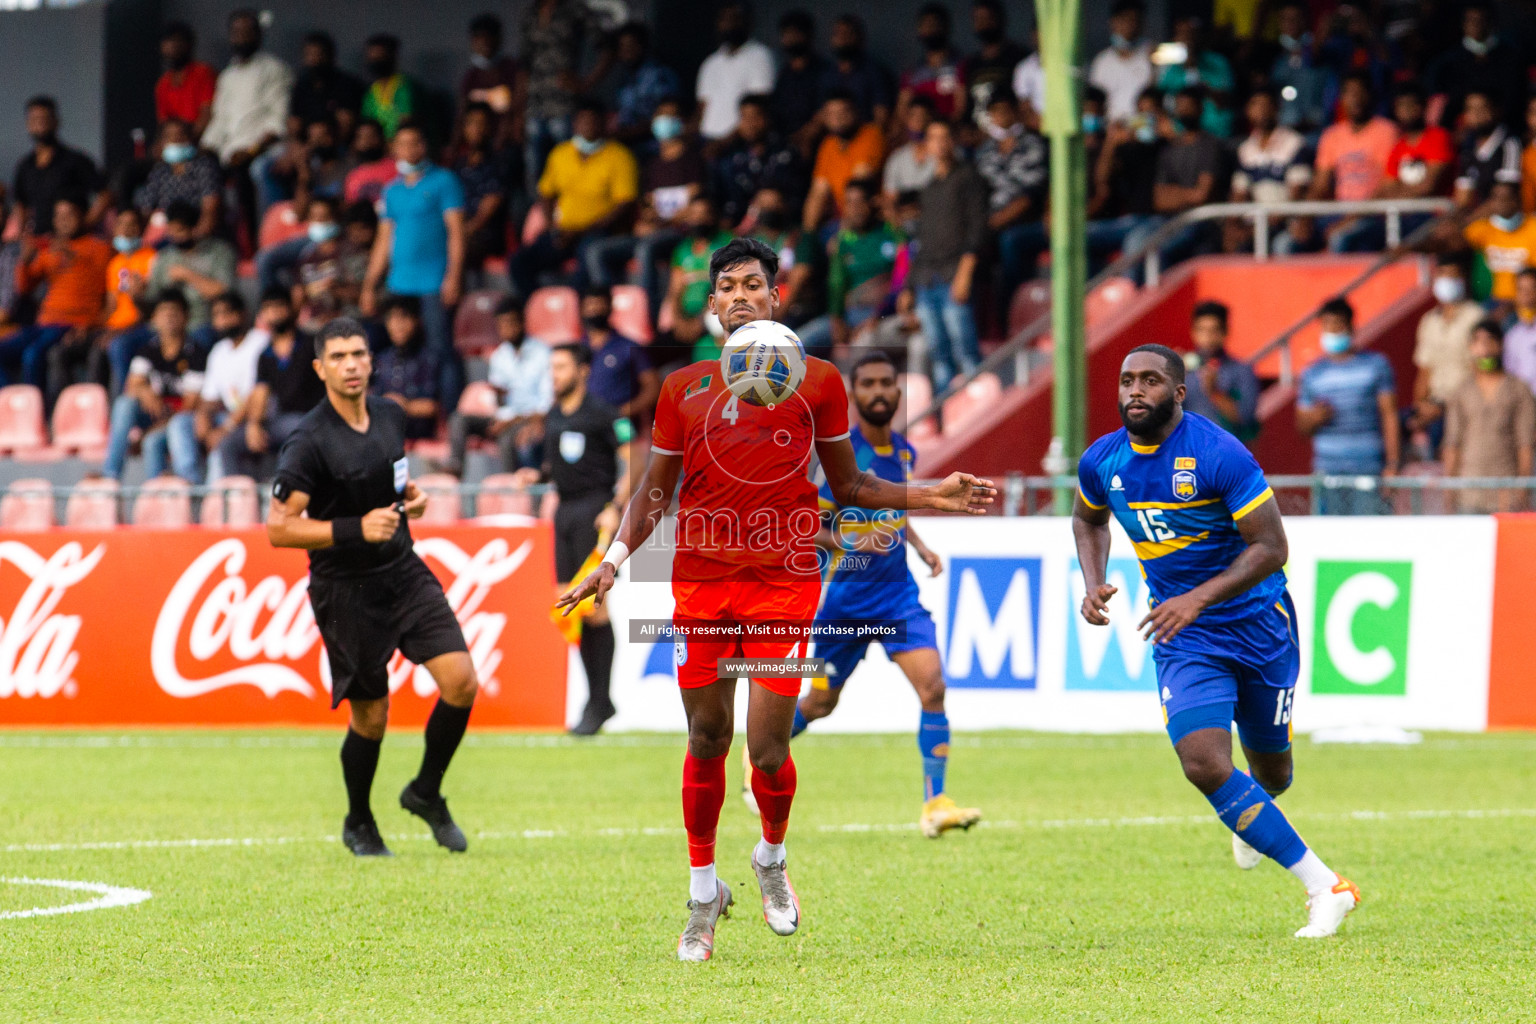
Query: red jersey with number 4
(747, 507)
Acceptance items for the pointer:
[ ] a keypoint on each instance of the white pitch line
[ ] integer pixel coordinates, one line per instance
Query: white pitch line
(1046, 824)
(107, 896)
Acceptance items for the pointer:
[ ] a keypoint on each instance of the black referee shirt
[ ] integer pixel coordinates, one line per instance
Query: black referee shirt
(581, 449)
(347, 473)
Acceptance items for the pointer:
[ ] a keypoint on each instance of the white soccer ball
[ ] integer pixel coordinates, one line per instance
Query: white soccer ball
(763, 362)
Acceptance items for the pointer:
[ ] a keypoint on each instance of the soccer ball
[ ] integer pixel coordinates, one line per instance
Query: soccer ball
(762, 362)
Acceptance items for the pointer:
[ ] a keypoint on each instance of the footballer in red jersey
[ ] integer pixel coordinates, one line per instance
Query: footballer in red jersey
(745, 557)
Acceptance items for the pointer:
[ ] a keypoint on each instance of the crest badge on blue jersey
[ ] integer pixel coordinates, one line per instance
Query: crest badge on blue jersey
(1184, 484)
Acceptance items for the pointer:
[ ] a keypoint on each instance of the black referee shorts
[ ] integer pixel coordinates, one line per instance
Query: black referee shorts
(575, 533)
(365, 619)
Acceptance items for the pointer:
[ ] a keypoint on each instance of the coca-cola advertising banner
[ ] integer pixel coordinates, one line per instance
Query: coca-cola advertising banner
(207, 626)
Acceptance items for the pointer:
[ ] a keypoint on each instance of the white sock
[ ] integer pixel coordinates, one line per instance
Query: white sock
(1314, 874)
(702, 885)
(768, 854)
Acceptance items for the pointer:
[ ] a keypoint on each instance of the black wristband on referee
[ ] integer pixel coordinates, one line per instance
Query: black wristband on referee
(347, 530)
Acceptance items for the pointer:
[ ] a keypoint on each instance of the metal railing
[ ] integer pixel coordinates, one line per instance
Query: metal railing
(1015, 361)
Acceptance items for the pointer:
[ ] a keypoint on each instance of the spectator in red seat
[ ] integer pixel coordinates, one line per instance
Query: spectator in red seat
(1506, 238)
(406, 372)
(555, 34)
(1528, 161)
(372, 169)
(1490, 426)
(1481, 63)
(488, 175)
(1014, 163)
(1442, 352)
(589, 190)
(688, 286)
(1488, 152)
(992, 65)
(127, 291)
(645, 83)
(670, 180)
(392, 97)
(1192, 170)
(622, 374)
(1351, 165)
(287, 388)
(1125, 178)
(184, 91)
(741, 67)
(754, 158)
(1205, 69)
(519, 371)
(908, 168)
(318, 170)
(250, 102)
(200, 268)
(53, 171)
(1220, 388)
(73, 267)
(853, 71)
(322, 91)
(165, 381)
(938, 80)
(328, 280)
(1520, 330)
(1271, 166)
(1419, 165)
(852, 148)
(797, 85)
(1123, 69)
(183, 174)
(861, 257)
(493, 78)
(228, 379)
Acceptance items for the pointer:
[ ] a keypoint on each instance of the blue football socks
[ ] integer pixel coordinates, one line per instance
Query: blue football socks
(933, 743)
(1244, 807)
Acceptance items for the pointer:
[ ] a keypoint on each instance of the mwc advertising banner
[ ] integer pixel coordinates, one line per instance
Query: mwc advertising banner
(203, 626)
(1395, 623)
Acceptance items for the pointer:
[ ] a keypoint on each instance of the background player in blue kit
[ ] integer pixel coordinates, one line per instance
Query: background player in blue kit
(868, 582)
(1208, 533)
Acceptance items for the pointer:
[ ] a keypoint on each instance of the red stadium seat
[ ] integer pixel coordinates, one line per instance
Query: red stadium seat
(279, 224)
(478, 399)
(974, 399)
(232, 501)
(1108, 297)
(443, 503)
(474, 325)
(164, 503)
(631, 313)
(80, 419)
(92, 505)
(501, 494)
(1030, 302)
(21, 419)
(917, 392)
(27, 506)
(553, 315)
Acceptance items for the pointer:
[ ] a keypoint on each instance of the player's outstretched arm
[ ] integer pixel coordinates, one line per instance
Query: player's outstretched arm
(645, 509)
(1090, 529)
(1266, 554)
(855, 488)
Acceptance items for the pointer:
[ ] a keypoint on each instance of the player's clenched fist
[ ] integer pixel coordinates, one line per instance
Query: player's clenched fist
(1096, 604)
(381, 524)
(598, 582)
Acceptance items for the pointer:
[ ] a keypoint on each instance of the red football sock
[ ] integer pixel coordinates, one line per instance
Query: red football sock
(774, 795)
(703, 796)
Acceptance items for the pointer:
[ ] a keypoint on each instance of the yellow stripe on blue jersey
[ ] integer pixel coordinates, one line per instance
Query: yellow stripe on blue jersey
(1253, 504)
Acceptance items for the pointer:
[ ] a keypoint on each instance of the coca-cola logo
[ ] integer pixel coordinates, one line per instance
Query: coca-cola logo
(37, 646)
(271, 621)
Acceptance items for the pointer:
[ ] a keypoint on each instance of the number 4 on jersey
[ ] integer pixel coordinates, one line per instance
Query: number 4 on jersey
(731, 411)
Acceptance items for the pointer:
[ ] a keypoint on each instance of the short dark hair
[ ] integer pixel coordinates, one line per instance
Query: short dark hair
(1361, 79)
(598, 291)
(1174, 362)
(841, 94)
(1409, 88)
(577, 351)
(1527, 272)
(275, 293)
(743, 250)
(485, 24)
(869, 186)
(761, 100)
(637, 30)
(244, 14)
(233, 299)
(926, 102)
(935, 10)
(179, 30)
(870, 358)
(850, 20)
(799, 18)
(591, 105)
(410, 305)
(1128, 7)
(48, 103)
(1490, 326)
(1338, 306)
(172, 296)
(510, 303)
(360, 212)
(1211, 308)
(1095, 94)
(479, 107)
(324, 40)
(341, 327)
(183, 213)
(385, 41)
(1451, 259)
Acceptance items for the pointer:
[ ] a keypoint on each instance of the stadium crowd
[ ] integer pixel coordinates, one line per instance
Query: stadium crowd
(907, 206)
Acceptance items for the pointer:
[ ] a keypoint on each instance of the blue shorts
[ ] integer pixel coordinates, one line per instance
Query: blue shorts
(1251, 680)
(843, 656)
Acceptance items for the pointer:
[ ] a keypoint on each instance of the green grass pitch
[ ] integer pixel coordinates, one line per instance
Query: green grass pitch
(1101, 889)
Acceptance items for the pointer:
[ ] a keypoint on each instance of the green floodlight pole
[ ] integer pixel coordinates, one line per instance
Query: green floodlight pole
(1061, 31)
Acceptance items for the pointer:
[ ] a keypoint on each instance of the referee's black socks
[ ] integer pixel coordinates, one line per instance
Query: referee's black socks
(359, 761)
(445, 728)
(597, 660)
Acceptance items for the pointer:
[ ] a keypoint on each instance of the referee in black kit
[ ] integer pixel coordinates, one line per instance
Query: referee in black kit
(586, 450)
(345, 466)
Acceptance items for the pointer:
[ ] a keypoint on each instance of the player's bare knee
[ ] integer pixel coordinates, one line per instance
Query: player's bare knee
(1206, 765)
(818, 704)
(461, 690)
(769, 757)
(710, 735)
(930, 693)
(1272, 771)
(369, 718)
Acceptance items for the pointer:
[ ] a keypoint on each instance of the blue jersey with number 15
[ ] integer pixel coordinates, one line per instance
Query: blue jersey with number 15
(1180, 503)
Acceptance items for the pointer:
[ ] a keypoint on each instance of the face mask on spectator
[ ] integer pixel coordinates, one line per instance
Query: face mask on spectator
(586, 146)
(1146, 132)
(124, 244)
(407, 168)
(381, 68)
(1093, 124)
(177, 152)
(935, 42)
(1506, 223)
(666, 127)
(850, 52)
(244, 50)
(1000, 133)
(323, 230)
(176, 63)
(1490, 364)
(481, 61)
(1479, 47)
(1289, 43)
(1119, 41)
(1335, 343)
(1448, 289)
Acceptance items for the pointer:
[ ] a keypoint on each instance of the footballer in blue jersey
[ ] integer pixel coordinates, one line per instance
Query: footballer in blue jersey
(868, 582)
(1208, 533)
